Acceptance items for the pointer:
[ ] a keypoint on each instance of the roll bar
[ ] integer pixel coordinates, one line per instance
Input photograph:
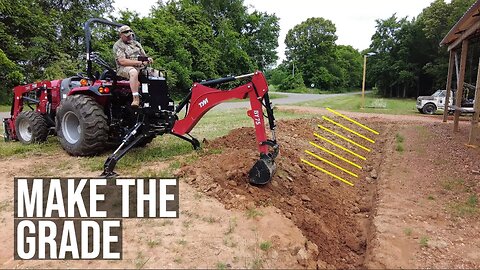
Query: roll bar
(88, 39)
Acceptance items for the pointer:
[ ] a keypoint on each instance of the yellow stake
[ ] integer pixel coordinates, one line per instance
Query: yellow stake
(347, 129)
(331, 163)
(327, 172)
(353, 121)
(339, 146)
(335, 155)
(345, 138)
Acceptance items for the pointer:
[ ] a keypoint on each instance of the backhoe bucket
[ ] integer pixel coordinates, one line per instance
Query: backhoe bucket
(263, 171)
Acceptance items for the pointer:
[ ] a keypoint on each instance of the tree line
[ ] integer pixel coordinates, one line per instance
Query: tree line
(405, 57)
(201, 39)
(192, 39)
(313, 59)
(408, 60)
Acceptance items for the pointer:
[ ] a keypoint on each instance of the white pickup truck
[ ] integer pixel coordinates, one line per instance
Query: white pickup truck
(430, 104)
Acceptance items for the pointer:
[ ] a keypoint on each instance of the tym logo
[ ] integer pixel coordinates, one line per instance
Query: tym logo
(203, 103)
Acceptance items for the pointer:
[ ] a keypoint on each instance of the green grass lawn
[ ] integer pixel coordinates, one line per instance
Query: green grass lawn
(308, 90)
(301, 91)
(373, 104)
(17, 149)
(163, 148)
(5, 108)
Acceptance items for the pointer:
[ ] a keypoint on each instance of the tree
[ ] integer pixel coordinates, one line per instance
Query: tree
(291, 82)
(217, 11)
(409, 61)
(435, 21)
(277, 75)
(311, 46)
(261, 38)
(42, 39)
(390, 42)
(349, 63)
(69, 17)
(193, 46)
(192, 39)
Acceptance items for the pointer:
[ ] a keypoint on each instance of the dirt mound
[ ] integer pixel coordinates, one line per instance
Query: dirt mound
(333, 215)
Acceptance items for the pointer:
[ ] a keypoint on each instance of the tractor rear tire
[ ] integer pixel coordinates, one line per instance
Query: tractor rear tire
(31, 127)
(82, 126)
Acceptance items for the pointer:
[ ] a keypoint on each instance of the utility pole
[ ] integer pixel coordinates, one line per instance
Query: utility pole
(363, 82)
(364, 75)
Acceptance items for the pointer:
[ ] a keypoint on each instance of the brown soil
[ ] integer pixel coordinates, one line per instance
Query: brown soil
(331, 214)
(401, 212)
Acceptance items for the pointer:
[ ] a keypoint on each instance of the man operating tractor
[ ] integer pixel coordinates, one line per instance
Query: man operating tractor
(126, 51)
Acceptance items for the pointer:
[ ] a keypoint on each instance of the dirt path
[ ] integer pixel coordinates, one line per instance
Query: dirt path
(427, 208)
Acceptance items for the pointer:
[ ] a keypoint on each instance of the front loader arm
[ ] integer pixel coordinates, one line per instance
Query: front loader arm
(202, 98)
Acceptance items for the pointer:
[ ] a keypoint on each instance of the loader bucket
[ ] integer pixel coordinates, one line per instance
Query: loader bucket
(263, 171)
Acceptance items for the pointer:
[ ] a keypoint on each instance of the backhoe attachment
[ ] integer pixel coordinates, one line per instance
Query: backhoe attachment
(198, 102)
(202, 98)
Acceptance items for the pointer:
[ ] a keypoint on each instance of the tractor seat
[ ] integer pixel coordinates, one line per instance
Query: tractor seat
(111, 74)
(67, 84)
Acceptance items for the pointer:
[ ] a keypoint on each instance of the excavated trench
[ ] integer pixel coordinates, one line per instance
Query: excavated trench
(334, 216)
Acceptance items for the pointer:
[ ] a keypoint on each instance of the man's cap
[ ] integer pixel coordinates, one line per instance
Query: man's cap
(125, 28)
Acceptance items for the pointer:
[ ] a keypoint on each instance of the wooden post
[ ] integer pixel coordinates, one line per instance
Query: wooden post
(449, 84)
(460, 82)
(363, 82)
(476, 108)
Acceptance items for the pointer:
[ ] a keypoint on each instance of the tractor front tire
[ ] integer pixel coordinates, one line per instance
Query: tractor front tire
(31, 127)
(81, 126)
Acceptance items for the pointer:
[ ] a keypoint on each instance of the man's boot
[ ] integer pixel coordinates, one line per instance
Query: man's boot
(136, 100)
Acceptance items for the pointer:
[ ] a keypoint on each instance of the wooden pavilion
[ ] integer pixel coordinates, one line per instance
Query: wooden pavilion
(457, 40)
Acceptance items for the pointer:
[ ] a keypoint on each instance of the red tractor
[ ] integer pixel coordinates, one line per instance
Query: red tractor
(92, 112)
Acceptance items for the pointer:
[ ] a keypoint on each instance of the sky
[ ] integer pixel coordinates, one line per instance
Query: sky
(354, 19)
